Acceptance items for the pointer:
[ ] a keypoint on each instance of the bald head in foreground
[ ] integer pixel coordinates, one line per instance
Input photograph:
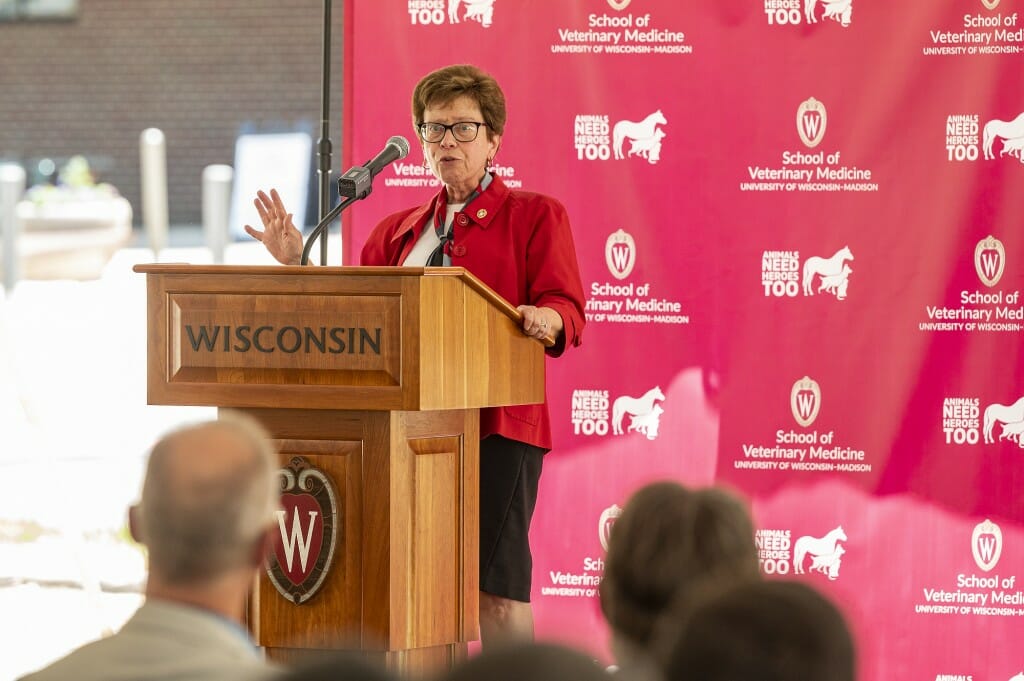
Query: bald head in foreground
(206, 517)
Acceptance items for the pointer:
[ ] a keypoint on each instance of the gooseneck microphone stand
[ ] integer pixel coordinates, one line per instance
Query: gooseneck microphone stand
(320, 231)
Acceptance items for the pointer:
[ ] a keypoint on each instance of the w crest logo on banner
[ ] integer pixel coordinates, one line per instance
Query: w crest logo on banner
(811, 121)
(990, 4)
(620, 254)
(805, 401)
(307, 523)
(989, 260)
(986, 544)
(606, 523)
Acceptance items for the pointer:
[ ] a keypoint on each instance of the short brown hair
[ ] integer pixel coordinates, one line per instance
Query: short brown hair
(445, 85)
(778, 630)
(667, 541)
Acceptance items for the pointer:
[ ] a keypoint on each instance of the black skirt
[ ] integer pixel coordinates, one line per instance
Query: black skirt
(509, 475)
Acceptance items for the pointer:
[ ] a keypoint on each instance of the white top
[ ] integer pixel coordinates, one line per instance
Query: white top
(429, 240)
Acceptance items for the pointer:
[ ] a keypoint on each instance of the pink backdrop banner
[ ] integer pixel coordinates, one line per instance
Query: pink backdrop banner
(798, 225)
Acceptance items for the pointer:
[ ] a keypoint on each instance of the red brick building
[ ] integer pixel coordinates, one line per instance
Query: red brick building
(200, 70)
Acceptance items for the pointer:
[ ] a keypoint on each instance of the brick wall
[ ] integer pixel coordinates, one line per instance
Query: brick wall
(199, 70)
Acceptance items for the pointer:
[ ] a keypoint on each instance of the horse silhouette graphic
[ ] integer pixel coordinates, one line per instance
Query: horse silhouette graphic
(649, 147)
(833, 272)
(1013, 432)
(1013, 147)
(477, 10)
(1006, 414)
(828, 563)
(645, 414)
(838, 10)
(1011, 132)
(645, 135)
(647, 423)
(825, 553)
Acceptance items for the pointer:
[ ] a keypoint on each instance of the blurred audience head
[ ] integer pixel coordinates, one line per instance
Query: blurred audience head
(529, 662)
(343, 666)
(666, 542)
(767, 630)
(208, 500)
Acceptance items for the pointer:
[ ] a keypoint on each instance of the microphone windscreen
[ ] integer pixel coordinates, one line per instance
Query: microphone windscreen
(401, 143)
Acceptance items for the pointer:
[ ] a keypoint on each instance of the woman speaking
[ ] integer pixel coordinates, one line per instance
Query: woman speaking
(518, 243)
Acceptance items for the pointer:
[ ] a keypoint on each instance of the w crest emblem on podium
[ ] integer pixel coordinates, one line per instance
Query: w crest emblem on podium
(307, 522)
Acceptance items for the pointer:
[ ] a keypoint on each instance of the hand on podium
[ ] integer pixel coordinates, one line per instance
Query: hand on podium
(280, 236)
(541, 322)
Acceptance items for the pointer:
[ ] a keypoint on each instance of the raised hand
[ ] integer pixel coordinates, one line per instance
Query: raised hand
(280, 236)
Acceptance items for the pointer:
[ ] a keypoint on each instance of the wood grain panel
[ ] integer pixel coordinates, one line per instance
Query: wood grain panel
(267, 337)
(445, 492)
(418, 663)
(310, 333)
(397, 433)
(485, 359)
(370, 432)
(436, 527)
(332, 618)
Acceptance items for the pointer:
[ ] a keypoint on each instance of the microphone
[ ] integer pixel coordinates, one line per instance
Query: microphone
(357, 182)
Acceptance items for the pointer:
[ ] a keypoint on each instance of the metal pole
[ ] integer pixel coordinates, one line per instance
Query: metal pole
(153, 155)
(323, 145)
(12, 188)
(216, 208)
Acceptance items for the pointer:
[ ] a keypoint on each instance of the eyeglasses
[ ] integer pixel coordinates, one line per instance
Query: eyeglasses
(463, 131)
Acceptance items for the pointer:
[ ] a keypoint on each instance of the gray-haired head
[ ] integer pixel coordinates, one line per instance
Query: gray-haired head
(209, 495)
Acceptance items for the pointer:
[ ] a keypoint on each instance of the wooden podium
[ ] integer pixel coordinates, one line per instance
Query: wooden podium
(374, 376)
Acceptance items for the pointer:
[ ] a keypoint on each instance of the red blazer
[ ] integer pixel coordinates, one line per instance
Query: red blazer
(519, 244)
